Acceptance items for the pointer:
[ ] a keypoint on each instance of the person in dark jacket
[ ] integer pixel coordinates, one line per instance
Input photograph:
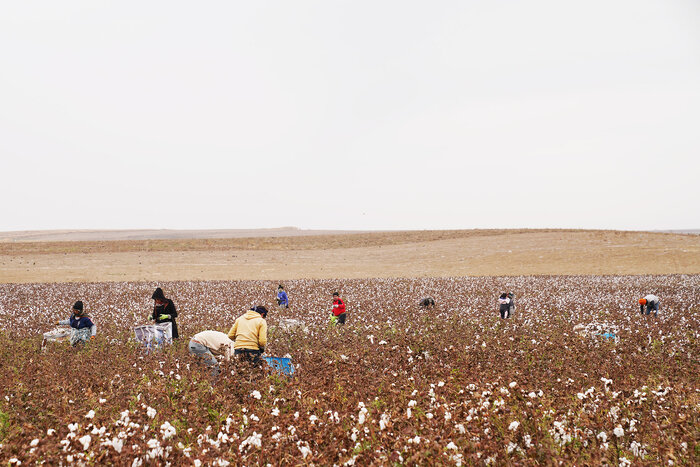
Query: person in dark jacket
(511, 305)
(504, 305)
(427, 302)
(82, 326)
(164, 310)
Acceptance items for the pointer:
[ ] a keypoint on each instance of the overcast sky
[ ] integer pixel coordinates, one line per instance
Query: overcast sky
(350, 114)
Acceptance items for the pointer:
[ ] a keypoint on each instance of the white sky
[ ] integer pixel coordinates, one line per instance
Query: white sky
(350, 114)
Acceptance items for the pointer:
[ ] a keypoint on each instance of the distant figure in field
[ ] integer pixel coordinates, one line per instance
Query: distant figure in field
(427, 302)
(511, 308)
(206, 344)
(249, 333)
(651, 302)
(83, 329)
(338, 309)
(504, 305)
(282, 298)
(164, 310)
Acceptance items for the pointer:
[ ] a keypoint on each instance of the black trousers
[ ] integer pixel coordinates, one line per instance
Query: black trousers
(250, 355)
(341, 318)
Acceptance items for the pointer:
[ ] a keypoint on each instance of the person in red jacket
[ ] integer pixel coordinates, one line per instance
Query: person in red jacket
(338, 309)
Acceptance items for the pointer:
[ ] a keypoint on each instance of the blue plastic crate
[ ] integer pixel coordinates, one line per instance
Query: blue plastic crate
(281, 365)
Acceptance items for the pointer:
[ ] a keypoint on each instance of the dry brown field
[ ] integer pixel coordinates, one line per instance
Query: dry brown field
(353, 255)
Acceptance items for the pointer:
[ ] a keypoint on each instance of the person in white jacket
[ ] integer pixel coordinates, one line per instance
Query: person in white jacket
(206, 344)
(651, 302)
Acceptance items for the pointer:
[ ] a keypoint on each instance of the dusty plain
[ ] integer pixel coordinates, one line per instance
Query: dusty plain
(271, 255)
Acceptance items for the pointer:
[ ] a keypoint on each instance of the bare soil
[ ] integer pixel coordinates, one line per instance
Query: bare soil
(355, 255)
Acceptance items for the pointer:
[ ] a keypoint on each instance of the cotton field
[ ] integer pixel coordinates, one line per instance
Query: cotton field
(396, 385)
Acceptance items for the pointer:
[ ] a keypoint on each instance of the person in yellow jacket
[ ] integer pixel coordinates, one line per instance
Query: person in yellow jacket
(249, 334)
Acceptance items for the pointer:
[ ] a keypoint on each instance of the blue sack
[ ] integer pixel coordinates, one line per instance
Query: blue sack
(608, 335)
(281, 365)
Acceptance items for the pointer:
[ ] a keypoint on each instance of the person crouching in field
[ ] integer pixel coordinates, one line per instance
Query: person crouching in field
(651, 302)
(206, 344)
(504, 305)
(164, 310)
(249, 334)
(282, 298)
(427, 302)
(82, 326)
(338, 309)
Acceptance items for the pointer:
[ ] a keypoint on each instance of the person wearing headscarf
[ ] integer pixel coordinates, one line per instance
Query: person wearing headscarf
(164, 310)
(651, 302)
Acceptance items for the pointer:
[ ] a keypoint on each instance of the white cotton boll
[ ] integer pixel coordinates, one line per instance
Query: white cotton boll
(602, 436)
(85, 441)
(512, 384)
(90, 414)
(151, 412)
(452, 445)
(275, 411)
(305, 451)
(35, 442)
(167, 430)
(514, 426)
(117, 444)
(256, 394)
(618, 431)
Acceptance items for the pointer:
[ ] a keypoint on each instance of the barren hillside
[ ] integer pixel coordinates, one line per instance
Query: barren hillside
(381, 254)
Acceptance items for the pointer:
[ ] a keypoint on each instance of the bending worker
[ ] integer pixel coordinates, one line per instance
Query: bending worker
(207, 344)
(249, 333)
(651, 302)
